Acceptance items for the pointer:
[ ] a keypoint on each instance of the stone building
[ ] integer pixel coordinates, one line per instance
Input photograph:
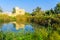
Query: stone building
(19, 11)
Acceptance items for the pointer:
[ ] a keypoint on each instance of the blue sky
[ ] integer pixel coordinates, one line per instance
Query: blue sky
(28, 5)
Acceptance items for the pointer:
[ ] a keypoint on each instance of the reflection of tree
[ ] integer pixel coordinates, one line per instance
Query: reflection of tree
(1, 26)
(14, 25)
(37, 26)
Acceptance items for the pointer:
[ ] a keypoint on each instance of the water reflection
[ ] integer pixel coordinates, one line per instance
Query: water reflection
(16, 27)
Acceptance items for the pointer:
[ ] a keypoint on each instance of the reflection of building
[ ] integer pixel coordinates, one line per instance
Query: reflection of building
(18, 26)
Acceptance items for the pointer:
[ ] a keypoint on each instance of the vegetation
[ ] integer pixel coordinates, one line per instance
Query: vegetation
(49, 20)
(57, 8)
(14, 11)
(4, 18)
(1, 10)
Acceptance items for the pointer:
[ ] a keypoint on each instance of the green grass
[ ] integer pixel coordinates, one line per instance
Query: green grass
(39, 34)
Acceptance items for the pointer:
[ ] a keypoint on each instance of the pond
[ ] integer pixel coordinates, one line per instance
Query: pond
(25, 27)
(16, 27)
(27, 31)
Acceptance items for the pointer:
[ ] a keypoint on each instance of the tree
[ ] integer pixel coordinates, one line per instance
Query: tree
(36, 11)
(52, 11)
(14, 11)
(27, 13)
(48, 12)
(57, 8)
(1, 9)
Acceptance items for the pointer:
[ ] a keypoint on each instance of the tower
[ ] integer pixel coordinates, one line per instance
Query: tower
(19, 11)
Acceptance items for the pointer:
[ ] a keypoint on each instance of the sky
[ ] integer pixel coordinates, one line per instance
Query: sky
(27, 5)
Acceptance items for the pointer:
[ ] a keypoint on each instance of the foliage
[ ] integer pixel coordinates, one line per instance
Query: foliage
(14, 11)
(28, 14)
(37, 11)
(57, 8)
(1, 9)
(4, 18)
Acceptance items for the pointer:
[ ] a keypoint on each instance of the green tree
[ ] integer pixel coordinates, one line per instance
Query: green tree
(36, 11)
(14, 11)
(57, 8)
(49, 12)
(1, 9)
(52, 11)
(27, 13)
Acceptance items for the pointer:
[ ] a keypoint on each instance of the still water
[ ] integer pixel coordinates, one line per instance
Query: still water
(16, 27)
